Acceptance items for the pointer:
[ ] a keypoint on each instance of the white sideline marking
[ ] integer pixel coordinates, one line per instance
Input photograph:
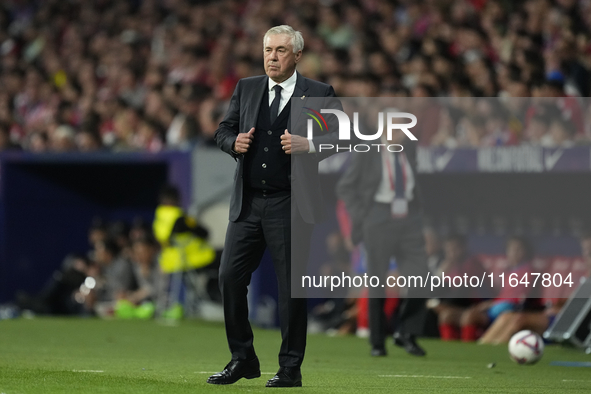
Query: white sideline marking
(575, 380)
(211, 373)
(425, 376)
(87, 370)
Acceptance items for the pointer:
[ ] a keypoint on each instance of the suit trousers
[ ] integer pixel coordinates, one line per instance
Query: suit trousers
(401, 238)
(266, 221)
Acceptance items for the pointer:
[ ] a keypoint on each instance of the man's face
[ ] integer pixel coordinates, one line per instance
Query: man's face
(280, 61)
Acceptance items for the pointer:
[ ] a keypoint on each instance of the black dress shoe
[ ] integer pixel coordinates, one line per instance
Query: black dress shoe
(286, 377)
(378, 352)
(236, 370)
(408, 343)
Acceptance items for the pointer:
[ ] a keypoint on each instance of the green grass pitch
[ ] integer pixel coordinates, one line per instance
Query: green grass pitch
(50, 355)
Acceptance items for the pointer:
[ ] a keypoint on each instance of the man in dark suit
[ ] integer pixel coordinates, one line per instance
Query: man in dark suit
(274, 202)
(381, 195)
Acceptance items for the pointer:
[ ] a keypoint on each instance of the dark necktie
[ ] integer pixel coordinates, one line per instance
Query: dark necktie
(275, 104)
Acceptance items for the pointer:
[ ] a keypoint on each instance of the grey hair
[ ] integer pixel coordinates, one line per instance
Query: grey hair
(297, 41)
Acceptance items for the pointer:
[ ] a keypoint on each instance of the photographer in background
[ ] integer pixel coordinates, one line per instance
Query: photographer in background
(113, 275)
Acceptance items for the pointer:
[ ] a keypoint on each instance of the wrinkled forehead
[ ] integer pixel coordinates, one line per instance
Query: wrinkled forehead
(277, 40)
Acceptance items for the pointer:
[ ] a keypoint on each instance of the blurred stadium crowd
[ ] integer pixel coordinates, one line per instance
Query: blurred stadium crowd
(152, 75)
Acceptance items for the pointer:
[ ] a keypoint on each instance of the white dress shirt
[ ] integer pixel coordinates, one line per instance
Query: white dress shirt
(385, 193)
(288, 87)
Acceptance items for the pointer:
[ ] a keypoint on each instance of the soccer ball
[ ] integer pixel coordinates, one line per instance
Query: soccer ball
(526, 347)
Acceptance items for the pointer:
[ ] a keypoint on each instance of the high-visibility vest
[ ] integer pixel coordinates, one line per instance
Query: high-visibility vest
(180, 251)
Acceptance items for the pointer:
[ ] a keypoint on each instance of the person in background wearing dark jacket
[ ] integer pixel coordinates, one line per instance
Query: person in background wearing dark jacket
(380, 191)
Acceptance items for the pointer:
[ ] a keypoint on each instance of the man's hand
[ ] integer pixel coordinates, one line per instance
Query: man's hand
(294, 144)
(243, 141)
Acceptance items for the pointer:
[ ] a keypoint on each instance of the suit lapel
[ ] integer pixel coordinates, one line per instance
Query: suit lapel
(298, 101)
(257, 97)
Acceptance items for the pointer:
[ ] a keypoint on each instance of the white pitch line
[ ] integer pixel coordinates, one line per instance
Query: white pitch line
(425, 376)
(211, 373)
(573, 380)
(87, 370)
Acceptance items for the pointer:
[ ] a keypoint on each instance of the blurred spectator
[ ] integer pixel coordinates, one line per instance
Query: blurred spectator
(113, 277)
(333, 30)
(454, 301)
(5, 142)
(433, 248)
(337, 315)
(140, 229)
(88, 141)
(148, 136)
(184, 253)
(183, 241)
(537, 129)
(510, 298)
(538, 321)
(118, 231)
(37, 143)
(62, 139)
(473, 132)
(560, 134)
(57, 296)
(146, 271)
(445, 134)
(97, 231)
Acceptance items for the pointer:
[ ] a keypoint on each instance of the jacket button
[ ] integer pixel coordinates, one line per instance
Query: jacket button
(269, 132)
(266, 149)
(263, 182)
(264, 165)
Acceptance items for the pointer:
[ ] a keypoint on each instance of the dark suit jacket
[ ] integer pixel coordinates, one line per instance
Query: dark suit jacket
(359, 184)
(242, 116)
